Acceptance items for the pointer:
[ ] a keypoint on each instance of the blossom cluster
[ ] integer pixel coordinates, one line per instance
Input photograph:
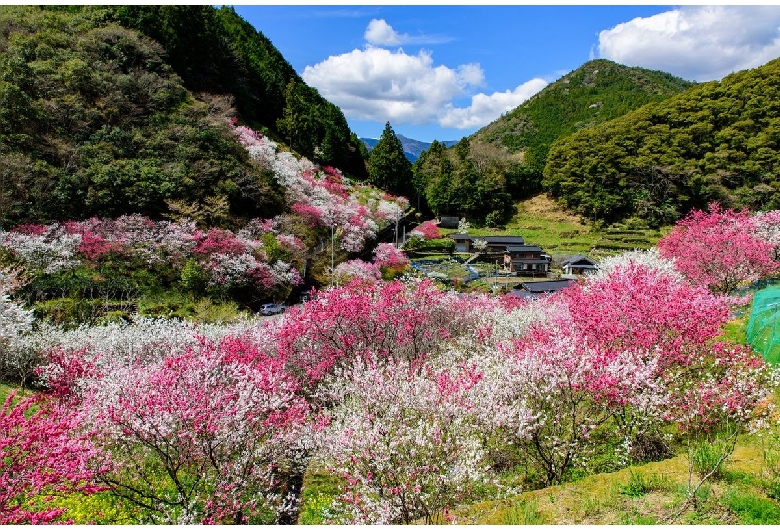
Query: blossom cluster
(229, 258)
(322, 195)
(723, 249)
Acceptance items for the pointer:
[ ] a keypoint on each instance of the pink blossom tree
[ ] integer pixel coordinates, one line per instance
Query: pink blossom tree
(719, 249)
(427, 230)
(206, 435)
(635, 307)
(41, 456)
(352, 270)
(387, 255)
(373, 322)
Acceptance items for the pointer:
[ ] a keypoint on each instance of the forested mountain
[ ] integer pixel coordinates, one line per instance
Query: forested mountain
(471, 180)
(482, 175)
(596, 92)
(717, 141)
(107, 110)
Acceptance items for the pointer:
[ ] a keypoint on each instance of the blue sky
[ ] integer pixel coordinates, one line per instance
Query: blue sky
(444, 71)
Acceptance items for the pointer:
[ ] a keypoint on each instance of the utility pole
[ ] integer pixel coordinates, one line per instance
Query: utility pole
(332, 226)
(397, 218)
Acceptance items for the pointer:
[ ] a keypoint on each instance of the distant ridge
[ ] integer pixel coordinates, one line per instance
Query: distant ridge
(412, 148)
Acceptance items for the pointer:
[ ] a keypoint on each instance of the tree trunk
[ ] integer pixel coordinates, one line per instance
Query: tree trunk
(294, 486)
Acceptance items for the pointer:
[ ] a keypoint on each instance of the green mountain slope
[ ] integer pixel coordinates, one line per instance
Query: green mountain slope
(216, 51)
(596, 92)
(100, 119)
(717, 141)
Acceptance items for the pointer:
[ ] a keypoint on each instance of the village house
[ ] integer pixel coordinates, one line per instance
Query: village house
(511, 253)
(534, 290)
(577, 266)
(465, 242)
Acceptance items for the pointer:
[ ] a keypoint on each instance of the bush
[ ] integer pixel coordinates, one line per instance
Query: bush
(708, 457)
(640, 484)
(444, 245)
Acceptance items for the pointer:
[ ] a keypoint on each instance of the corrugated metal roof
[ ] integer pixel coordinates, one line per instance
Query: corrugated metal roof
(546, 286)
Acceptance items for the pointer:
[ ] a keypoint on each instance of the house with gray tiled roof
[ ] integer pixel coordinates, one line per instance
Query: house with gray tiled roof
(578, 265)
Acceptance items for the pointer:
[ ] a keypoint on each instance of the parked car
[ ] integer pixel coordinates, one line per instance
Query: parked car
(272, 309)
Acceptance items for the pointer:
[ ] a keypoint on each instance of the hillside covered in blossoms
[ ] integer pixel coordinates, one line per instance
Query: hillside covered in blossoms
(411, 401)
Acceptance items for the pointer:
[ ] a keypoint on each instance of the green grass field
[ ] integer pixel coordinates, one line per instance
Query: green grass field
(542, 222)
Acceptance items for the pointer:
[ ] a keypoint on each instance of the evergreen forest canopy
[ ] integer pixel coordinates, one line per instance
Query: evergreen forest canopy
(596, 92)
(504, 161)
(111, 110)
(715, 142)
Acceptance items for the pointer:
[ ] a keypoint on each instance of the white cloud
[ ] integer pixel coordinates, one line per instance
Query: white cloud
(699, 43)
(381, 33)
(376, 84)
(485, 109)
(381, 85)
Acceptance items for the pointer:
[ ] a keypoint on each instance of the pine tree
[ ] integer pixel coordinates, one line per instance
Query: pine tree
(388, 167)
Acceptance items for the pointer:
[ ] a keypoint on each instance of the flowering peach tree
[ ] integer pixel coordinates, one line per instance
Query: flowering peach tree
(721, 249)
(42, 455)
(203, 435)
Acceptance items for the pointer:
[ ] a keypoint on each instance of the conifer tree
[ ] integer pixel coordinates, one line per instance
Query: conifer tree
(388, 167)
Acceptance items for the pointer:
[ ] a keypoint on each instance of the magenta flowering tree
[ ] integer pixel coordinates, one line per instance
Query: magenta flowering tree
(635, 307)
(206, 435)
(719, 249)
(219, 241)
(373, 322)
(352, 270)
(42, 456)
(427, 230)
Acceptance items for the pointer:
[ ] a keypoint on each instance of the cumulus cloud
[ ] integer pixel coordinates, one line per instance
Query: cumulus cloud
(485, 109)
(698, 43)
(379, 85)
(380, 33)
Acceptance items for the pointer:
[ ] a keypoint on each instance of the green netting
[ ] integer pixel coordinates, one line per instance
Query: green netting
(763, 329)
